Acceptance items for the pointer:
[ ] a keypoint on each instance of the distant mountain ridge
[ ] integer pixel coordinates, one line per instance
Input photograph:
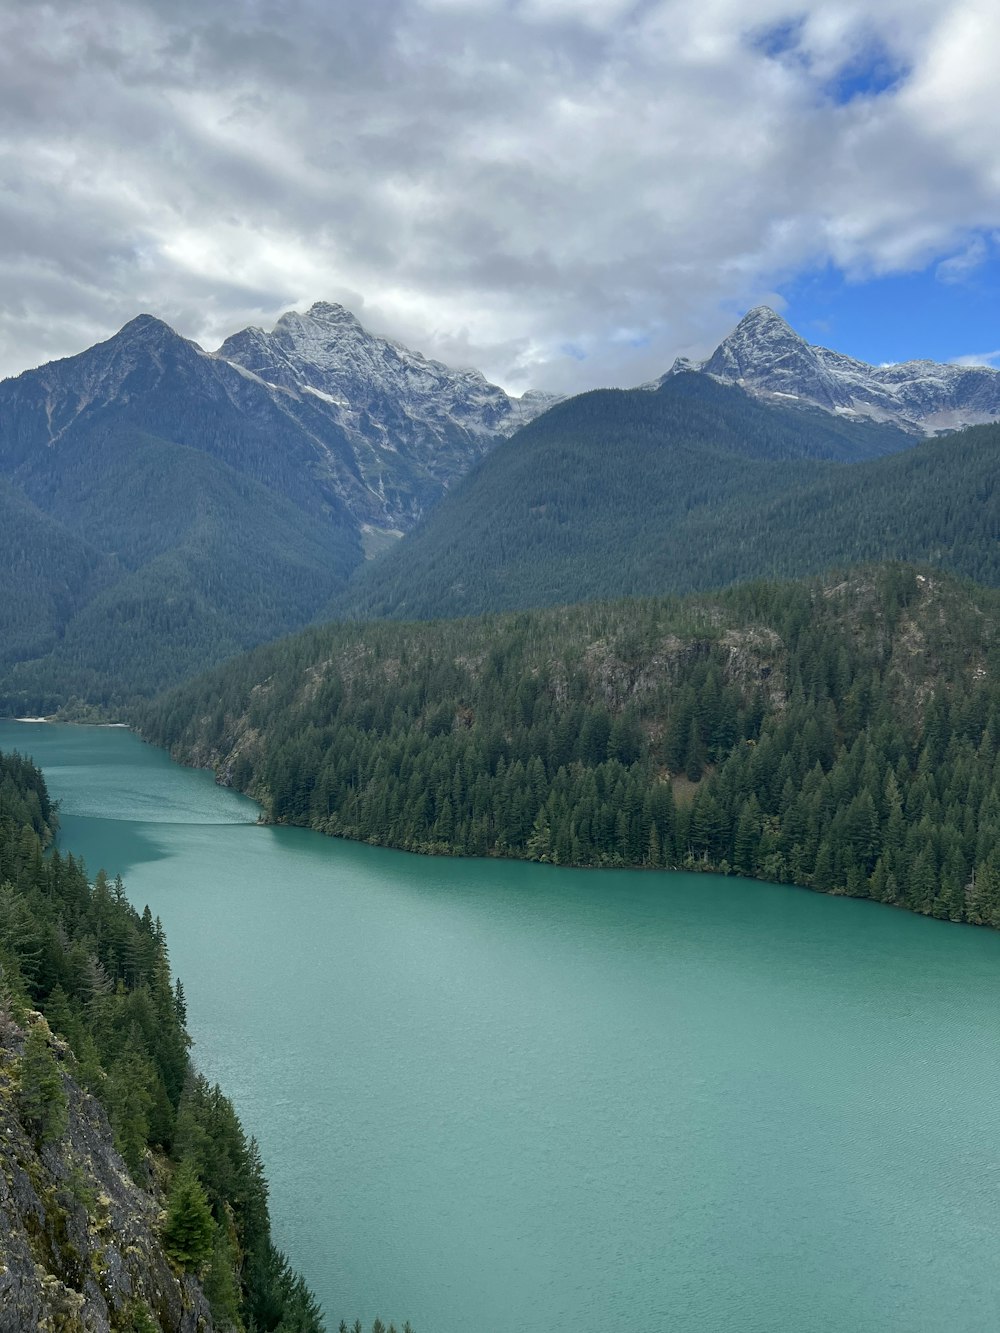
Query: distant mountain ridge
(766, 357)
(327, 350)
(373, 429)
(167, 506)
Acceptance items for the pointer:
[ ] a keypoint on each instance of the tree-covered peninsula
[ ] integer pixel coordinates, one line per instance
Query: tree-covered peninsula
(840, 734)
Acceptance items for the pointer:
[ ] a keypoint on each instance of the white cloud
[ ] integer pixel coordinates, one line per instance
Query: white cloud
(501, 180)
(958, 267)
(977, 359)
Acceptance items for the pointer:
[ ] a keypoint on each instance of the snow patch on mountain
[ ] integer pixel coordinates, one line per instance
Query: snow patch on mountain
(378, 432)
(767, 358)
(378, 384)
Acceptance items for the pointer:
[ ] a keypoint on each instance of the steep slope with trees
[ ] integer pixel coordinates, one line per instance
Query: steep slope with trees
(50, 572)
(841, 735)
(130, 1197)
(694, 486)
(192, 562)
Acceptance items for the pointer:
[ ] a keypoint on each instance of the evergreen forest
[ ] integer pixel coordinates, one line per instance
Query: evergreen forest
(841, 734)
(696, 486)
(139, 562)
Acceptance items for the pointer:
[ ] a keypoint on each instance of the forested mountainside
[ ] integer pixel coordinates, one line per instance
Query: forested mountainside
(173, 561)
(131, 1200)
(50, 569)
(164, 508)
(691, 487)
(839, 734)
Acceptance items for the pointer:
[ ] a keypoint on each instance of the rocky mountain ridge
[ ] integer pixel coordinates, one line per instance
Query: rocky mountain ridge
(327, 352)
(162, 506)
(373, 428)
(767, 358)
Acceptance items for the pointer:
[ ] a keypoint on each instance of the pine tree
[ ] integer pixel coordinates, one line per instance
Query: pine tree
(219, 1282)
(41, 1096)
(188, 1233)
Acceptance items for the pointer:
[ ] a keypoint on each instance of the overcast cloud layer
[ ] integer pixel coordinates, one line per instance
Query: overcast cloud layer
(561, 192)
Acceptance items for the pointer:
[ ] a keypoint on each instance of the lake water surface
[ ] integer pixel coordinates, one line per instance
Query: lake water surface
(502, 1098)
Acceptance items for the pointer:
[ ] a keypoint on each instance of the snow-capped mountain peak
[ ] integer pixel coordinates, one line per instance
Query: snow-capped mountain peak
(412, 425)
(760, 325)
(384, 391)
(331, 311)
(766, 357)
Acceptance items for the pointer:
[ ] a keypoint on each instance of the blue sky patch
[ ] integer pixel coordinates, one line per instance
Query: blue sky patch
(574, 350)
(871, 72)
(902, 317)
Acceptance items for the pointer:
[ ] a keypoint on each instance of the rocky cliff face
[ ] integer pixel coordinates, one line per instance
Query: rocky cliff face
(403, 415)
(79, 1241)
(327, 352)
(767, 358)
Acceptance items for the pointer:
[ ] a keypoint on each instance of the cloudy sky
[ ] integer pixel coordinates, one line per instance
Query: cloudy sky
(562, 192)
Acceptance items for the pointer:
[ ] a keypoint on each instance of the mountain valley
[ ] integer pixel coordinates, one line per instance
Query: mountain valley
(167, 507)
(694, 486)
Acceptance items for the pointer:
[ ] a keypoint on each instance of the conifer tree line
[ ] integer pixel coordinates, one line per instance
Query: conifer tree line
(98, 972)
(839, 734)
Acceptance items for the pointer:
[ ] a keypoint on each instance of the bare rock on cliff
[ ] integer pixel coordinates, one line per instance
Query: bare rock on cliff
(80, 1250)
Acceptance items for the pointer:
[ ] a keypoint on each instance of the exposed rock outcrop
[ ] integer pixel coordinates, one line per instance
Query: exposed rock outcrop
(80, 1250)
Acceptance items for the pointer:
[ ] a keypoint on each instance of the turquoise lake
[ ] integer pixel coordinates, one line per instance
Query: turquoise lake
(501, 1098)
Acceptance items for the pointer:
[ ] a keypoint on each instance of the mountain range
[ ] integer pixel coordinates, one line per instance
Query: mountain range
(163, 507)
(168, 506)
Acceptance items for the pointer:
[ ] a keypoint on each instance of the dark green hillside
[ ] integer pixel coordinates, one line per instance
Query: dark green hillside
(937, 503)
(138, 495)
(842, 735)
(561, 511)
(724, 415)
(207, 562)
(97, 970)
(49, 571)
(695, 486)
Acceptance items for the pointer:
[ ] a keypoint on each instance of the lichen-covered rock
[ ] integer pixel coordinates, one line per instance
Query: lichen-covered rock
(80, 1250)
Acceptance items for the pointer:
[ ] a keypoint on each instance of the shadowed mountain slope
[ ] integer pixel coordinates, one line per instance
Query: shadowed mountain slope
(693, 486)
